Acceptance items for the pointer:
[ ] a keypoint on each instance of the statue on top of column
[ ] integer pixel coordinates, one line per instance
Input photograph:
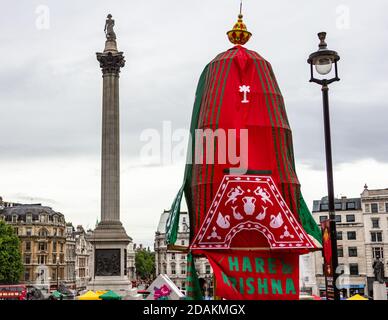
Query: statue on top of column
(109, 24)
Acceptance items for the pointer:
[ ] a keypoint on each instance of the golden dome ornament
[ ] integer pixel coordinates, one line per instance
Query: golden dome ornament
(239, 35)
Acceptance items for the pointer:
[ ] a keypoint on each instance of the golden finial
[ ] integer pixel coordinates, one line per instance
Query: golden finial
(239, 35)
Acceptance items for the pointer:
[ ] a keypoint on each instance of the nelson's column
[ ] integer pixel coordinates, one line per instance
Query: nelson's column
(109, 239)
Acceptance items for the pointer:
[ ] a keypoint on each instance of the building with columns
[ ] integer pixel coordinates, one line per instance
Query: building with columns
(173, 263)
(351, 245)
(83, 253)
(375, 219)
(42, 233)
(70, 257)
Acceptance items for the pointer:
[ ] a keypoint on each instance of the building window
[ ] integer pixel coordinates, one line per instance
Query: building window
(324, 207)
(42, 246)
(173, 270)
(378, 253)
(338, 218)
(28, 232)
(340, 251)
(29, 218)
(322, 218)
(338, 206)
(350, 205)
(184, 219)
(375, 223)
(28, 246)
(207, 269)
(42, 259)
(54, 258)
(386, 207)
(376, 236)
(172, 256)
(339, 235)
(14, 218)
(350, 218)
(182, 242)
(352, 251)
(352, 235)
(183, 256)
(43, 233)
(353, 269)
(183, 269)
(27, 258)
(374, 207)
(183, 285)
(27, 275)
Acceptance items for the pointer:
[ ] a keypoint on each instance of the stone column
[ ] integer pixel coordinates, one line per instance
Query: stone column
(109, 239)
(111, 62)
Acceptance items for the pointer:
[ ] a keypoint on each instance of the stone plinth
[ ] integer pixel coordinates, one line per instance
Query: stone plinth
(379, 291)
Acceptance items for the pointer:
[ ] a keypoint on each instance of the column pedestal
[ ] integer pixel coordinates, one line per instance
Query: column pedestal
(109, 269)
(379, 291)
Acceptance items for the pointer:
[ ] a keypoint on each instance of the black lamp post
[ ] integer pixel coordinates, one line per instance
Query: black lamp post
(323, 61)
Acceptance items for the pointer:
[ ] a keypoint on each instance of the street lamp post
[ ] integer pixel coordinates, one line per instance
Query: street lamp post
(323, 61)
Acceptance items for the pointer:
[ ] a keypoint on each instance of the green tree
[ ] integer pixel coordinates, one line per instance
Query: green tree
(11, 265)
(145, 264)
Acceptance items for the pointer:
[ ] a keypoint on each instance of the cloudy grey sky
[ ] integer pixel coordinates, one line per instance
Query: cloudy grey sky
(50, 94)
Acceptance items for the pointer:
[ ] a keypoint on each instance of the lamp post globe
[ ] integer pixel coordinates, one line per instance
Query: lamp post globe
(323, 61)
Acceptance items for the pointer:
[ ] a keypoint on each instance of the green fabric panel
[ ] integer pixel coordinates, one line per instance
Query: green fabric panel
(308, 222)
(192, 287)
(172, 223)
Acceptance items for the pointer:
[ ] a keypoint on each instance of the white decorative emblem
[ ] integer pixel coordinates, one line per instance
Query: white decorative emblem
(223, 222)
(263, 194)
(287, 234)
(245, 89)
(276, 222)
(214, 234)
(233, 194)
(249, 205)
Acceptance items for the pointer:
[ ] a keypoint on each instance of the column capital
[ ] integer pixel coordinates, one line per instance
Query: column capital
(111, 62)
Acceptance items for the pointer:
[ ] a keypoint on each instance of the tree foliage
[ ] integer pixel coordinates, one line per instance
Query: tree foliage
(145, 264)
(11, 265)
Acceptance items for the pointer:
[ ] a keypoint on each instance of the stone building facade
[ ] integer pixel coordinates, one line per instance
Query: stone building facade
(375, 214)
(83, 254)
(42, 232)
(174, 263)
(131, 265)
(351, 245)
(70, 258)
(49, 245)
